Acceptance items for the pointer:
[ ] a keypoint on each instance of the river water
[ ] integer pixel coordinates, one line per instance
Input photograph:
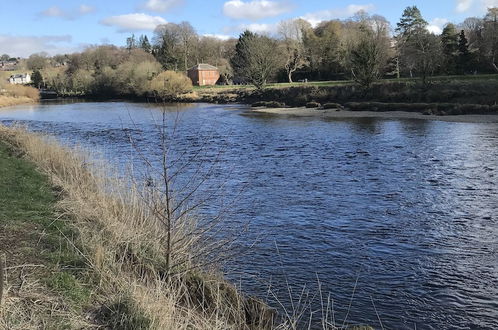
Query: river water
(397, 220)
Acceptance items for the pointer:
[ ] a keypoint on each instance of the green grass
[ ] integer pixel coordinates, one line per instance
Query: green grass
(69, 286)
(346, 82)
(33, 233)
(25, 194)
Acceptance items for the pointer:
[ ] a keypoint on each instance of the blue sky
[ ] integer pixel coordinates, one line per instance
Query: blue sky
(64, 26)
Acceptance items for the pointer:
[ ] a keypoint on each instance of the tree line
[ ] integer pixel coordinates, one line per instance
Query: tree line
(363, 48)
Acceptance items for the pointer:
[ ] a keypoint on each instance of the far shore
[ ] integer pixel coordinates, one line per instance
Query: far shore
(344, 114)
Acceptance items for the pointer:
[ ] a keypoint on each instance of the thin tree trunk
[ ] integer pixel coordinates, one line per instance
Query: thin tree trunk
(185, 61)
(1, 280)
(493, 63)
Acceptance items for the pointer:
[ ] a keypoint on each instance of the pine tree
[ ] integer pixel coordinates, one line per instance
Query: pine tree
(37, 78)
(256, 58)
(465, 59)
(411, 22)
(449, 40)
(144, 43)
(131, 43)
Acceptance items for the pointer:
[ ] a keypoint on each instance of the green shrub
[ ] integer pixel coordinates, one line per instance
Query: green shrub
(69, 286)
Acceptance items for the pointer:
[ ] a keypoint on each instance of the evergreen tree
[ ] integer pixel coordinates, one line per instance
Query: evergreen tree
(366, 60)
(418, 50)
(449, 40)
(465, 58)
(144, 43)
(411, 22)
(37, 78)
(256, 58)
(131, 42)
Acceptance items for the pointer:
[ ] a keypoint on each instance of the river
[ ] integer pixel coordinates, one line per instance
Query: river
(396, 219)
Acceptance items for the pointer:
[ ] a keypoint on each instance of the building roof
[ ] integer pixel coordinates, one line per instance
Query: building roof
(20, 75)
(203, 66)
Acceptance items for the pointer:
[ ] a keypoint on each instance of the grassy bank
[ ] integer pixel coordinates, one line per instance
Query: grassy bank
(8, 101)
(82, 250)
(442, 95)
(17, 94)
(44, 278)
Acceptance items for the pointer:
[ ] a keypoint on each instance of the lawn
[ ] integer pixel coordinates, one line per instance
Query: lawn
(221, 88)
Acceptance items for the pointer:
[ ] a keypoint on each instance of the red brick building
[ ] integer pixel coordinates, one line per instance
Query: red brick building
(203, 74)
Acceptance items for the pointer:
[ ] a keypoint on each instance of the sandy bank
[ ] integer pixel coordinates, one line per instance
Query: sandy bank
(344, 114)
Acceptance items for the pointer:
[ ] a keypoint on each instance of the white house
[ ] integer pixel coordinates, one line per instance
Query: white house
(20, 79)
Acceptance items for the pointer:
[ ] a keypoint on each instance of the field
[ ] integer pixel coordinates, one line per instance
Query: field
(348, 82)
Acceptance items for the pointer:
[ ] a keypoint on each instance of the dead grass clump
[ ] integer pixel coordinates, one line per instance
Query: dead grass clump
(21, 91)
(7, 101)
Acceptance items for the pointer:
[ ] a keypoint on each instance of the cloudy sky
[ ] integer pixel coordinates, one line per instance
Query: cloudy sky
(63, 26)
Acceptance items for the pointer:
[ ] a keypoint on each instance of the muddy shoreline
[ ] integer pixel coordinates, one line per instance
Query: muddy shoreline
(346, 114)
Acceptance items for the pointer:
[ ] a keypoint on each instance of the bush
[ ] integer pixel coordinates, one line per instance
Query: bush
(313, 105)
(473, 109)
(170, 84)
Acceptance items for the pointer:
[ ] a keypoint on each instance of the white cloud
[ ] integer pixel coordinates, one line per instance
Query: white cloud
(85, 9)
(325, 15)
(217, 36)
(23, 46)
(133, 22)
(475, 6)
(490, 3)
(463, 5)
(161, 6)
(53, 12)
(69, 14)
(436, 25)
(253, 27)
(255, 9)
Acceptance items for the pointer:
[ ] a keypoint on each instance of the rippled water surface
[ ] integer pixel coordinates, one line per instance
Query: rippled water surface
(399, 215)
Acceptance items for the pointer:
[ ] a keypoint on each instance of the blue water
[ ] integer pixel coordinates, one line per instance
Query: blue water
(395, 217)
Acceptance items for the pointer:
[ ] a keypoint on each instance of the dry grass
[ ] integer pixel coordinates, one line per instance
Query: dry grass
(124, 247)
(17, 94)
(7, 101)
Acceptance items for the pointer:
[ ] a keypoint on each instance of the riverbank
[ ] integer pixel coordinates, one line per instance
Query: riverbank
(346, 114)
(443, 97)
(83, 250)
(7, 101)
(11, 95)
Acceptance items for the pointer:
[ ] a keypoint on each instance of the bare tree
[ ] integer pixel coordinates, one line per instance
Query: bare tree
(490, 37)
(174, 193)
(188, 37)
(291, 32)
